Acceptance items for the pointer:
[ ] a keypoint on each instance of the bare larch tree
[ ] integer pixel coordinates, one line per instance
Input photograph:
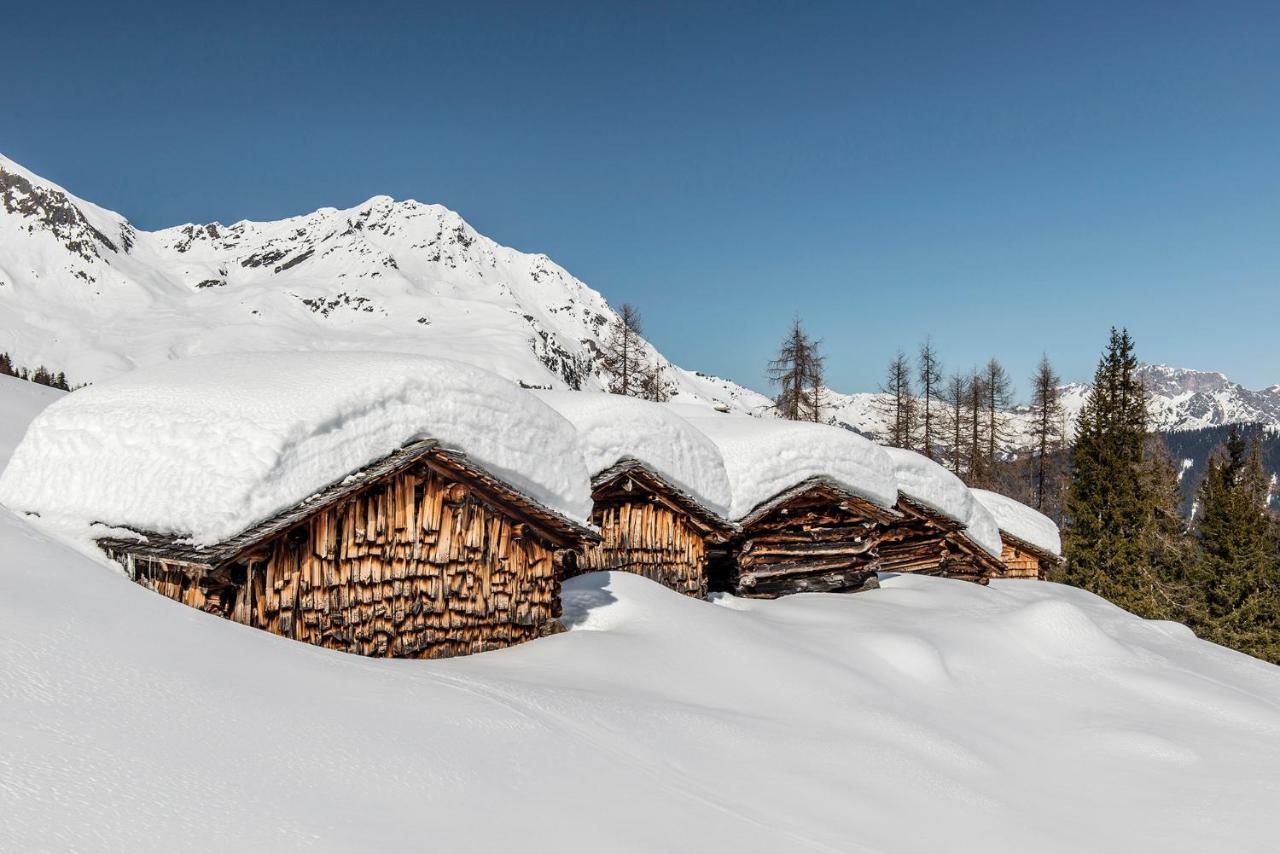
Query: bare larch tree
(623, 352)
(797, 371)
(1046, 428)
(898, 402)
(929, 372)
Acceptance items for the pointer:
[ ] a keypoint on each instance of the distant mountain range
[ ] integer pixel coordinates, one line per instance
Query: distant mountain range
(85, 292)
(1179, 400)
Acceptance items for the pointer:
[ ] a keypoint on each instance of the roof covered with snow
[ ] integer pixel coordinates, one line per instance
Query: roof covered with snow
(1021, 521)
(206, 447)
(766, 456)
(925, 481)
(613, 428)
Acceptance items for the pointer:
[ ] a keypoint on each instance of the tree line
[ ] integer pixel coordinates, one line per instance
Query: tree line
(40, 374)
(625, 358)
(1123, 535)
(960, 419)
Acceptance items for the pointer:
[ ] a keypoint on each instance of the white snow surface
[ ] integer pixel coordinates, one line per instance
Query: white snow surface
(765, 456)
(20, 402)
(931, 484)
(207, 447)
(1023, 522)
(613, 427)
(1001, 714)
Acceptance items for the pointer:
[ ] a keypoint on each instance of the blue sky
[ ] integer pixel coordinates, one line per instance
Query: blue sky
(1007, 178)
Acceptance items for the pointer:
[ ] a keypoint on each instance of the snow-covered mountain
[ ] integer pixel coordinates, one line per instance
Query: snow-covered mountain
(85, 292)
(1179, 399)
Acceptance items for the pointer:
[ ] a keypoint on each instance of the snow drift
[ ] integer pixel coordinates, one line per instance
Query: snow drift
(925, 481)
(765, 456)
(206, 447)
(1022, 521)
(612, 428)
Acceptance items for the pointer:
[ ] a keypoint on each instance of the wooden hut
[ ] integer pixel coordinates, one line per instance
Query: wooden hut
(381, 504)
(651, 527)
(816, 537)
(421, 554)
(658, 489)
(942, 529)
(1024, 560)
(1030, 543)
(925, 541)
(812, 504)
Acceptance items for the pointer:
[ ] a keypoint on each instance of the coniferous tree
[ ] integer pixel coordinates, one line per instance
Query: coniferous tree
(6, 365)
(956, 396)
(1046, 431)
(997, 397)
(929, 372)
(623, 352)
(1239, 567)
(42, 376)
(898, 402)
(978, 473)
(1110, 501)
(797, 371)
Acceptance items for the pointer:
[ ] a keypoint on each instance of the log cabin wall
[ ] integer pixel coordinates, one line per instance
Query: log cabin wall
(816, 541)
(1019, 563)
(649, 538)
(925, 542)
(418, 565)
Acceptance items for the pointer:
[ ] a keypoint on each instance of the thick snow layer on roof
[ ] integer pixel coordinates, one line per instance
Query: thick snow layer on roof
(765, 456)
(209, 446)
(925, 481)
(1022, 521)
(612, 427)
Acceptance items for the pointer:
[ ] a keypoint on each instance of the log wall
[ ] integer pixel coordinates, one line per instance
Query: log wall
(811, 543)
(418, 565)
(1020, 564)
(650, 539)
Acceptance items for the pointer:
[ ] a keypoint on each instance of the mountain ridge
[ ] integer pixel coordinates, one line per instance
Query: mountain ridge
(87, 293)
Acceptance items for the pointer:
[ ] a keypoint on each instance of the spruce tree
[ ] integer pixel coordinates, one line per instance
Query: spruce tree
(1239, 567)
(1110, 502)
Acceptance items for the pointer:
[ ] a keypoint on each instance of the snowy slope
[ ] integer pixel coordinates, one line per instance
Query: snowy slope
(20, 402)
(930, 715)
(83, 291)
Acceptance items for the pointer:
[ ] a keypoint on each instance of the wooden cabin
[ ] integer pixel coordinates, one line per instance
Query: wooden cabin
(1030, 544)
(925, 541)
(815, 537)
(422, 554)
(652, 528)
(1021, 559)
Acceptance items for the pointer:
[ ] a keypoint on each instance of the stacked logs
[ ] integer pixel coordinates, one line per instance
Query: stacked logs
(416, 566)
(927, 543)
(813, 542)
(652, 539)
